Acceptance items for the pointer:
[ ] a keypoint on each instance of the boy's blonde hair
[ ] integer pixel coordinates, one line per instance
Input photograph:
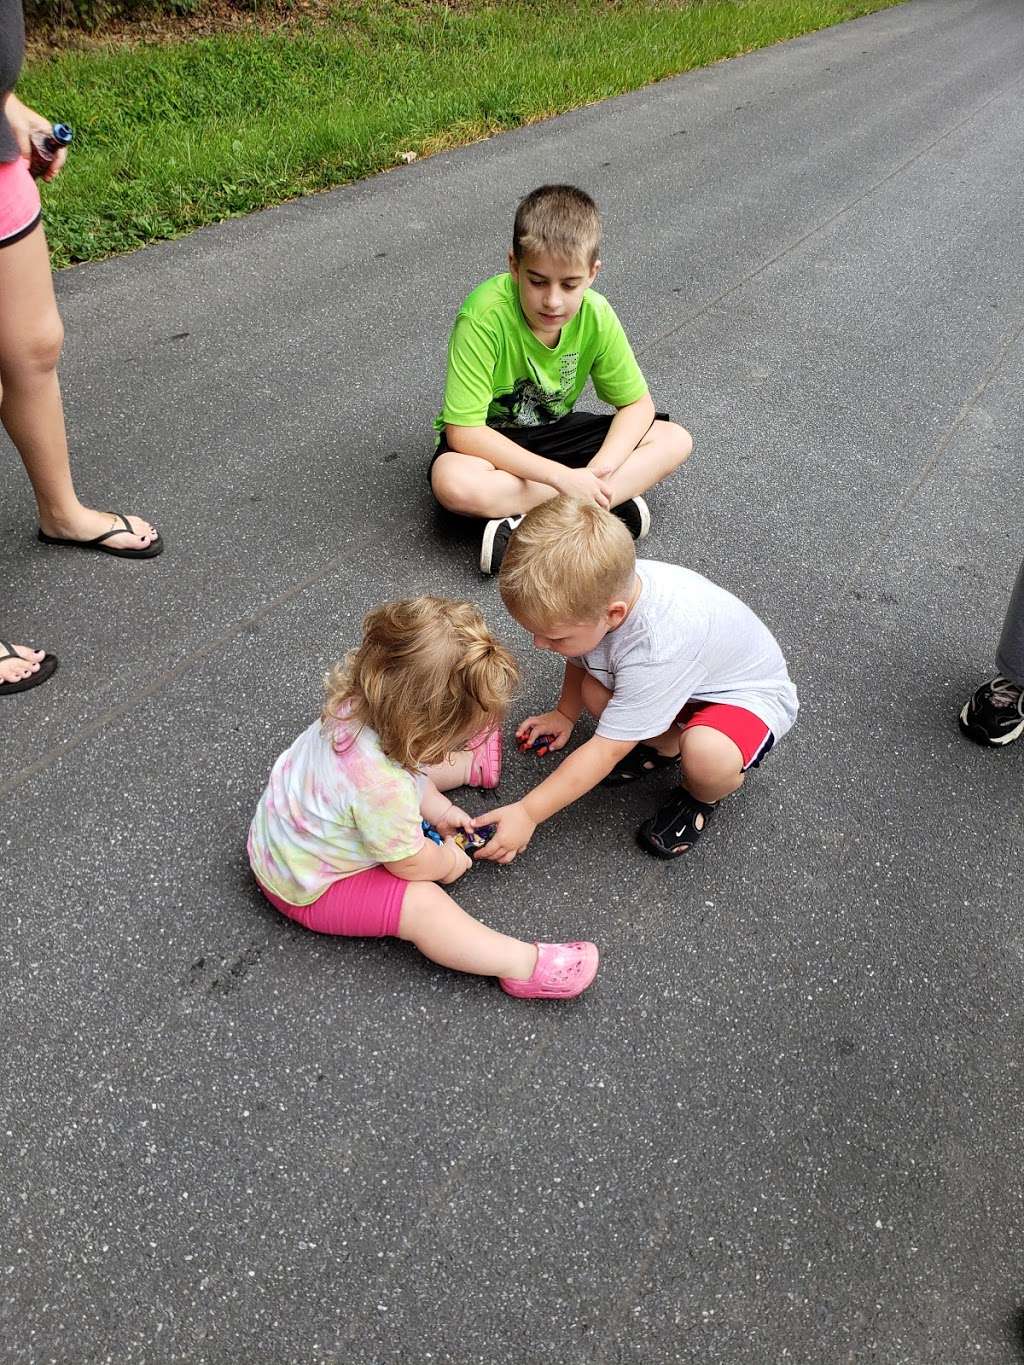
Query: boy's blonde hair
(559, 220)
(427, 676)
(566, 562)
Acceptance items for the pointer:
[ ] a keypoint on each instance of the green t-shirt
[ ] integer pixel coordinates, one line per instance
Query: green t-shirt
(501, 375)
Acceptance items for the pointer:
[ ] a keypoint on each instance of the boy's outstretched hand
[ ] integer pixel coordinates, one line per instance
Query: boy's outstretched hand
(551, 723)
(513, 831)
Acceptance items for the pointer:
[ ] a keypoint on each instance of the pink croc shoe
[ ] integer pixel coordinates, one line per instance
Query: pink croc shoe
(485, 769)
(562, 971)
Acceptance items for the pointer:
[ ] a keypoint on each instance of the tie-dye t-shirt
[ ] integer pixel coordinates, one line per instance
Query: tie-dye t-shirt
(335, 805)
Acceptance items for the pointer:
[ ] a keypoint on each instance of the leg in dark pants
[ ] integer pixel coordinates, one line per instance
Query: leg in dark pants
(995, 713)
(1010, 658)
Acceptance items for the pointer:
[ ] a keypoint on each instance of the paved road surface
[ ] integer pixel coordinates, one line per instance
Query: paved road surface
(786, 1125)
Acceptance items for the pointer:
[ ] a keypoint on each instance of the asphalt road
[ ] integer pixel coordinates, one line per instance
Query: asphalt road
(786, 1124)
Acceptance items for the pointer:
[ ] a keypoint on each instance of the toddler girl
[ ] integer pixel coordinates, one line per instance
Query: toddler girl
(337, 841)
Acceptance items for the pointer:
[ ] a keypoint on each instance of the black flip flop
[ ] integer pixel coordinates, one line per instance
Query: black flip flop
(676, 826)
(155, 547)
(639, 762)
(47, 668)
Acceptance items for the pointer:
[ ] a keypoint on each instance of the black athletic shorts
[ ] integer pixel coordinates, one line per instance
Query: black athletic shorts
(573, 440)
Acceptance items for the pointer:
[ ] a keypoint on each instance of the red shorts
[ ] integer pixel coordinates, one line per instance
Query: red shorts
(366, 905)
(747, 731)
(19, 201)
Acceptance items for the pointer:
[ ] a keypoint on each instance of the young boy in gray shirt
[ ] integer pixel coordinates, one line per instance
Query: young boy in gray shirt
(679, 673)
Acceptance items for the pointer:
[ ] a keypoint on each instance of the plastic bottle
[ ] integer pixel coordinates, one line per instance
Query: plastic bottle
(45, 147)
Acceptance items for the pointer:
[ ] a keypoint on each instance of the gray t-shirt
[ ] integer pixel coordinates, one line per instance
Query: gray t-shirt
(687, 639)
(12, 49)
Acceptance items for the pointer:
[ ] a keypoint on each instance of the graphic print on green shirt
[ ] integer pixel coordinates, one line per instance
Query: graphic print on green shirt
(501, 374)
(530, 404)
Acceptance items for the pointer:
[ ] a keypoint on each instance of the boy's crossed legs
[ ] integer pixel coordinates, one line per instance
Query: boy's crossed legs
(714, 745)
(473, 487)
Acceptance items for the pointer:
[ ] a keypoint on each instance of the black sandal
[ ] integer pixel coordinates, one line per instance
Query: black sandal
(47, 668)
(639, 762)
(155, 546)
(675, 826)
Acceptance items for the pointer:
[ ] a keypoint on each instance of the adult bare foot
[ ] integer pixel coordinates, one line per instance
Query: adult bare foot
(85, 525)
(22, 667)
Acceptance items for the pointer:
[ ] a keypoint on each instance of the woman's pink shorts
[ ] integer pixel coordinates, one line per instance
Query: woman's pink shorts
(19, 201)
(366, 905)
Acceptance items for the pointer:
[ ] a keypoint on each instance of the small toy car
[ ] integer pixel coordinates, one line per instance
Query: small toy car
(539, 745)
(469, 841)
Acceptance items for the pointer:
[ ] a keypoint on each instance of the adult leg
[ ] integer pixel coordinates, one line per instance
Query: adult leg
(994, 714)
(442, 931)
(21, 665)
(23, 661)
(1010, 656)
(31, 335)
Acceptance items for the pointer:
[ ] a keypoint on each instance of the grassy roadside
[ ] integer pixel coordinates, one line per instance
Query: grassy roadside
(172, 136)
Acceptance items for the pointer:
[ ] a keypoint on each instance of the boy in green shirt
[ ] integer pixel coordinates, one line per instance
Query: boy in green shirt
(523, 347)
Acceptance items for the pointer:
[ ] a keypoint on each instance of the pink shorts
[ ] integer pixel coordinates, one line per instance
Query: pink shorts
(366, 905)
(747, 731)
(19, 201)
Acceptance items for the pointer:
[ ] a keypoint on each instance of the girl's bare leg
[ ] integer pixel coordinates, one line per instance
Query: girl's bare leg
(31, 335)
(442, 931)
(455, 773)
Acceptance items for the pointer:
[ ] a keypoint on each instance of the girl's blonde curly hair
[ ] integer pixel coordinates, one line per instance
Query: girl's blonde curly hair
(428, 675)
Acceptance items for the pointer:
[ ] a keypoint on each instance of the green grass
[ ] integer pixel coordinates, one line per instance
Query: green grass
(173, 136)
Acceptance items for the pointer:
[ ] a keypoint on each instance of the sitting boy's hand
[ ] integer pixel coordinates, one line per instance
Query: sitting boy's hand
(551, 723)
(584, 484)
(513, 831)
(453, 819)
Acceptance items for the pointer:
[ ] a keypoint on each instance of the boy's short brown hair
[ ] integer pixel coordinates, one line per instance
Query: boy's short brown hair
(560, 220)
(566, 562)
